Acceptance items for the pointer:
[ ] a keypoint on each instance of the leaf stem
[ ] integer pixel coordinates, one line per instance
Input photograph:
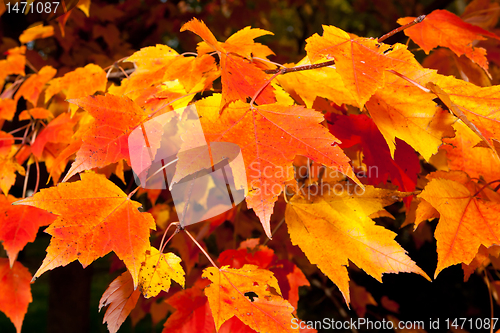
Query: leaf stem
(274, 231)
(285, 70)
(154, 174)
(409, 80)
(26, 180)
(162, 245)
(37, 174)
(263, 87)
(487, 281)
(201, 248)
(401, 28)
(485, 186)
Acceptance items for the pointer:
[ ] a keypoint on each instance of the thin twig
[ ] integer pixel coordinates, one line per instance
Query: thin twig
(274, 231)
(189, 53)
(154, 174)
(409, 80)
(162, 245)
(285, 70)
(262, 88)
(269, 61)
(37, 174)
(401, 28)
(26, 180)
(202, 249)
(487, 280)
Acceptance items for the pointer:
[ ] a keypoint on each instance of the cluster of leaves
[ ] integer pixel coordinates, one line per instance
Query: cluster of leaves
(328, 142)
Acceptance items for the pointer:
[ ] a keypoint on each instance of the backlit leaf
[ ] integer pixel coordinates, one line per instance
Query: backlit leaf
(19, 225)
(467, 221)
(157, 271)
(15, 291)
(267, 312)
(95, 217)
(442, 28)
(121, 298)
(334, 229)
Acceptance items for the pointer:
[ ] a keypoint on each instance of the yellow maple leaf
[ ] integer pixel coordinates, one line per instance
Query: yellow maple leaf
(335, 228)
(158, 270)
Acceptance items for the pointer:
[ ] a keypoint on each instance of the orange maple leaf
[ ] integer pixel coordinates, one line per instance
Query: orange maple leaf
(33, 86)
(270, 136)
(6, 142)
(362, 63)
(35, 113)
(38, 32)
(106, 141)
(462, 153)
(442, 28)
(19, 225)
(7, 108)
(8, 168)
(58, 130)
(90, 78)
(95, 217)
(226, 295)
(241, 78)
(14, 64)
(15, 291)
(467, 221)
(477, 107)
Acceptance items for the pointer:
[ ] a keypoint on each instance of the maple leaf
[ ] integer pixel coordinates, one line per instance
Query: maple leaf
(7, 108)
(58, 130)
(33, 86)
(152, 58)
(38, 32)
(334, 228)
(404, 111)
(480, 260)
(121, 298)
(447, 63)
(8, 169)
(157, 271)
(6, 142)
(462, 153)
(106, 141)
(360, 129)
(270, 136)
(192, 312)
(308, 85)
(95, 217)
(466, 220)
(289, 276)
(360, 299)
(15, 291)
(35, 113)
(476, 106)
(362, 63)
(241, 78)
(442, 28)
(194, 73)
(226, 295)
(90, 78)
(19, 225)
(14, 64)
